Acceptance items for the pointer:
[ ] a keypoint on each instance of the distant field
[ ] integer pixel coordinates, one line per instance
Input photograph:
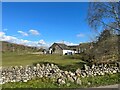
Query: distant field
(65, 62)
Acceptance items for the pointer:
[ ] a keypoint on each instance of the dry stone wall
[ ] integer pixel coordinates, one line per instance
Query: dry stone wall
(24, 74)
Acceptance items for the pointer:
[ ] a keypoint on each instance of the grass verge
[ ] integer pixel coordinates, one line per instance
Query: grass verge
(86, 82)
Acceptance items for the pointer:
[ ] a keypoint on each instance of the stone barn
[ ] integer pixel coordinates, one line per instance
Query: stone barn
(75, 48)
(61, 48)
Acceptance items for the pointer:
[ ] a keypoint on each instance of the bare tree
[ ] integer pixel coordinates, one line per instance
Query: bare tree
(107, 16)
(103, 13)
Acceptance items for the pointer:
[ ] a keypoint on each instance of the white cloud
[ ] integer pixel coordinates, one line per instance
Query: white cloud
(34, 32)
(9, 38)
(67, 43)
(41, 42)
(4, 37)
(80, 35)
(23, 33)
(5, 29)
(2, 34)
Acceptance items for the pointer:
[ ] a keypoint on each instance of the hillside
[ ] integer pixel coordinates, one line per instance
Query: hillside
(12, 47)
(106, 50)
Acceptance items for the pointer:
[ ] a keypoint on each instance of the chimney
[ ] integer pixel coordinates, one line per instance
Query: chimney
(63, 41)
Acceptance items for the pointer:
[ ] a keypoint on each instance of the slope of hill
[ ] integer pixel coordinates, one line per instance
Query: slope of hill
(12, 47)
(107, 49)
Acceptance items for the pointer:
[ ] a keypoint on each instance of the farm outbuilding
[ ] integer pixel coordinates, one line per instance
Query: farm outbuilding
(61, 48)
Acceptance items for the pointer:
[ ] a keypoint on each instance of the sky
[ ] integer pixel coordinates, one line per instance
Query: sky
(43, 23)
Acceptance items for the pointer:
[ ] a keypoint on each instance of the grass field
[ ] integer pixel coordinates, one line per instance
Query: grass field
(64, 62)
(86, 82)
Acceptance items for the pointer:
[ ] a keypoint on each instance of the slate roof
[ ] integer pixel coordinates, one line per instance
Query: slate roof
(63, 46)
(73, 46)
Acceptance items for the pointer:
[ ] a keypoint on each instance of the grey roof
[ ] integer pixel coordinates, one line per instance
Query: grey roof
(73, 46)
(62, 46)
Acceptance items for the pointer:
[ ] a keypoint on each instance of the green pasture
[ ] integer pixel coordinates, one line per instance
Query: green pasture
(48, 83)
(64, 62)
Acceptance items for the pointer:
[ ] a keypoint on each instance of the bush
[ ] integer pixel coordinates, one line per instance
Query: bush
(75, 56)
(87, 57)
